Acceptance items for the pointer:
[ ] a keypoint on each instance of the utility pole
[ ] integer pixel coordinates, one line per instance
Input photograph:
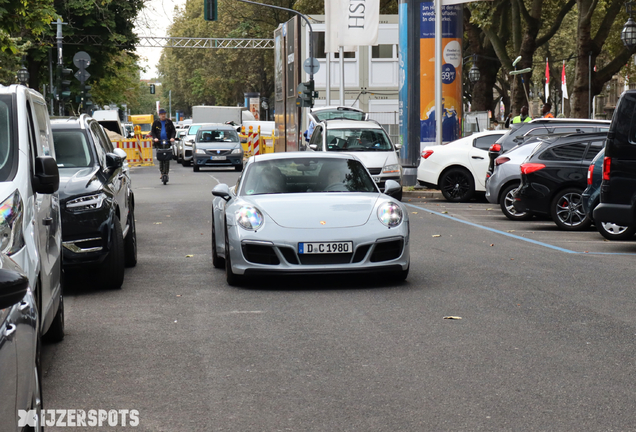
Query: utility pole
(60, 66)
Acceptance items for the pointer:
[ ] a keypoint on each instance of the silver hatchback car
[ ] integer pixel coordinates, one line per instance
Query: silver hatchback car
(506, 178)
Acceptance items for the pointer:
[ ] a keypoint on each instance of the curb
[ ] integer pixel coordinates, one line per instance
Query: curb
(424, 194)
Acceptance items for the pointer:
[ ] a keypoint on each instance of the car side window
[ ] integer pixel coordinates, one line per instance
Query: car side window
(316, 138)
(106, 142)
(101, 154)
(484, 143)
(593, 149)
(568, 152)
(44, 131)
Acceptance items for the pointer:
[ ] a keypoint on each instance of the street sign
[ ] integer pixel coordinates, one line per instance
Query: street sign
(82, 75)
(265, 105)
(81, 59)
(311, 65)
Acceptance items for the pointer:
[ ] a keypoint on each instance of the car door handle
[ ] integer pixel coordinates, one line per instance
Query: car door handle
(478, 157)
(23, 305)
(11, 328)
(47, 221)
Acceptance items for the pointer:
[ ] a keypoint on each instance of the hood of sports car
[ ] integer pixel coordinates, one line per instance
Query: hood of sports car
(317, 210)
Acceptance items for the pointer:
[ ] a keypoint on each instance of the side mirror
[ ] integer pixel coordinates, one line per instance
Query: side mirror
(46, 179)
(13, 287)
(398, 147)
(121, 153)
(391, 187)
(313, 146)
(114, 161)
(222, 191)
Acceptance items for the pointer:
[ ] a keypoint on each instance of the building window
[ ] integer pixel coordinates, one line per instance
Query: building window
(347, 54)
(382, 51)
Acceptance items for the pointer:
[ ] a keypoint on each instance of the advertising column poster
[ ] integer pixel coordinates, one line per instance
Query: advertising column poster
(452, 18)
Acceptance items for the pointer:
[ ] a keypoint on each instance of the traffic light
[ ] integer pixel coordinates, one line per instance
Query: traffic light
(86, 98)
(306, 94)
(66, 83)
(209, 10)
(152, 89)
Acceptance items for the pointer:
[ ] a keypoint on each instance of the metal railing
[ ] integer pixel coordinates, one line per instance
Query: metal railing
(390, 121)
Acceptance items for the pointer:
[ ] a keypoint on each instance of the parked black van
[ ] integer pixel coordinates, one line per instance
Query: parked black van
(618, 190)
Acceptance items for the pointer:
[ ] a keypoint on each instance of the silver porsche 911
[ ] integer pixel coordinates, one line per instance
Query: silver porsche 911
(308, 213)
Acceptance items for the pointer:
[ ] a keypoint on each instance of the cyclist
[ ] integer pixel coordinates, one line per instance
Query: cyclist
(163, 129)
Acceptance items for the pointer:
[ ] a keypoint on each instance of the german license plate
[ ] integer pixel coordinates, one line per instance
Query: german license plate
(325, 248)
(218, 157)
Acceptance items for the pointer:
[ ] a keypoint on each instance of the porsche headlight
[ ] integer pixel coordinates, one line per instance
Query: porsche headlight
(11, 214)
(249, 218)
(237, 150)
(89, 202)
(390, 214)
(388, 169)
(200, 151)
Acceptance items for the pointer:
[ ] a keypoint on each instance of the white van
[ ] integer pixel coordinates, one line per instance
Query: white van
(29, 204)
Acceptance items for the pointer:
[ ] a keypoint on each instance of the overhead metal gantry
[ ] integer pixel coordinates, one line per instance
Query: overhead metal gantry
(180, 42)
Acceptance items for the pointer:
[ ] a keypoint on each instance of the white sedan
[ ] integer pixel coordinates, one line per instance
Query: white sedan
(458, 168)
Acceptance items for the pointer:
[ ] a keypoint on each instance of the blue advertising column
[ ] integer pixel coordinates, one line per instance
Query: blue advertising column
(417, 79)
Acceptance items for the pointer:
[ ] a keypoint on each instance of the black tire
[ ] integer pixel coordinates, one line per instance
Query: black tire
(231, 278)
(195, 167)
(238, 168)
(457, 185)
(130, 242)
(164, 179)
(112, 272)
(55, 333)
(611, 231)
(567, 211)
(217, 261)
(506, 202)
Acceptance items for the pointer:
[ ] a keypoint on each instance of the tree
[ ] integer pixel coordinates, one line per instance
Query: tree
(597, 24)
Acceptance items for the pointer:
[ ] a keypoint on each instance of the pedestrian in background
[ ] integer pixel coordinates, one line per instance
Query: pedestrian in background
(545, 111)
(523, 117)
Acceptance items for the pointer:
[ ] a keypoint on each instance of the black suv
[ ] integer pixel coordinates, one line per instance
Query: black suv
(554, 177)
(542, 126)
(96, 201)
(618, 189)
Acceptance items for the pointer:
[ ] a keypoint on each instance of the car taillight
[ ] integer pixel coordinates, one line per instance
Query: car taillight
(501, 160)
(426, 153)
(607, 162)
(528, 168)
(590, 173)
(495, 147)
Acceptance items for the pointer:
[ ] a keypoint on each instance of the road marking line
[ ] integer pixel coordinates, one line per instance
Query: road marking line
(560, 249)
(215, 179)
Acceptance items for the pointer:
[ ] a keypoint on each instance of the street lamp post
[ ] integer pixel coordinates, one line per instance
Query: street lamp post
(23, 76)
(628, 35)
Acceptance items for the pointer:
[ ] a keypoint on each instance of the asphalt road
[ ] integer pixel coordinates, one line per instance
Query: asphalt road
(545, 341)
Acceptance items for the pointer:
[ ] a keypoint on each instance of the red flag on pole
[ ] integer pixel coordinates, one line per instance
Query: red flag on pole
(547, 80)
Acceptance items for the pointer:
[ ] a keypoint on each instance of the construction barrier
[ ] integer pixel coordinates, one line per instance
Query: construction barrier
(138, 152)
(256, 143)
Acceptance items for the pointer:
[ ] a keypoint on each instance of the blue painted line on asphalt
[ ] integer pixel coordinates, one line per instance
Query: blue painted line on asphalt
(547, 245)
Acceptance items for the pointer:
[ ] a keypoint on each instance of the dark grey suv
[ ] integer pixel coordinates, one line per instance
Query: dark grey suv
(519, 132)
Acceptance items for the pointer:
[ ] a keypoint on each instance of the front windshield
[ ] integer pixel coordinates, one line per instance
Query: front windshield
(145, 127)
(358, 140)
(6, 137)
(217, 136)
(338, 114)
(71, 149)
(304, 175)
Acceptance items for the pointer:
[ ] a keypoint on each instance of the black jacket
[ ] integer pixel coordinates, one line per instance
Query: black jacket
(155, 131)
